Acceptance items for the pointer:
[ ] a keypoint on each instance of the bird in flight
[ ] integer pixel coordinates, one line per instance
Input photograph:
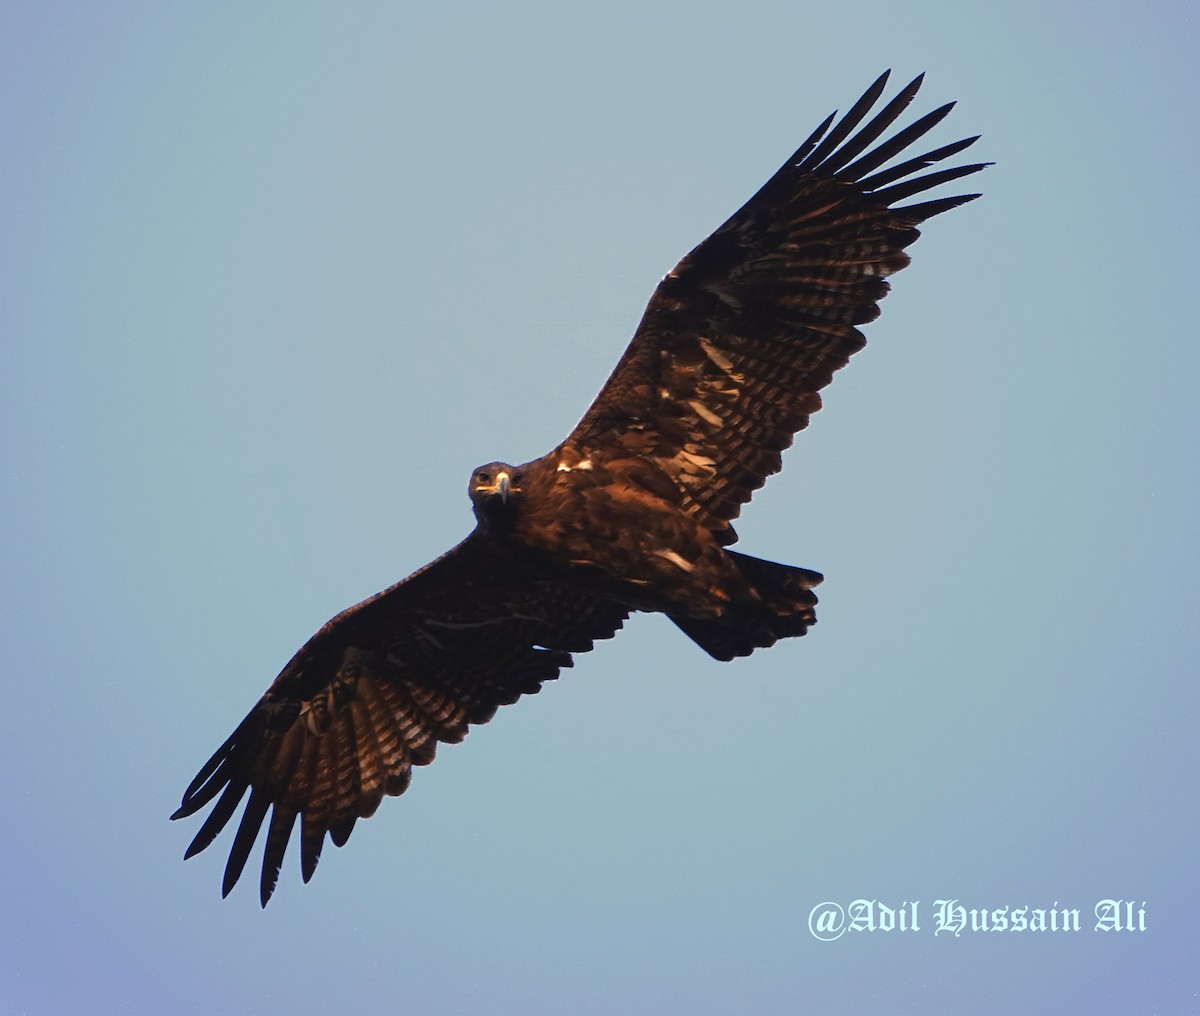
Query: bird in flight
(632, 511)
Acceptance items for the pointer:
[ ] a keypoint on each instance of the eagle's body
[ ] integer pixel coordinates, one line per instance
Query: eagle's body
(583, 520)
(633, 511)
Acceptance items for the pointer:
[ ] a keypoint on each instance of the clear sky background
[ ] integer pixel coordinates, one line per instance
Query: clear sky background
(274, 277)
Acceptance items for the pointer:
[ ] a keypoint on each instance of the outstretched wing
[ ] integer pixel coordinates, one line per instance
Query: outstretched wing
(740, 337)
(374, 691)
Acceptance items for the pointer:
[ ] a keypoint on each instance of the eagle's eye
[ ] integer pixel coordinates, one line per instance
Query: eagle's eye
(483, 477)
(516, 480)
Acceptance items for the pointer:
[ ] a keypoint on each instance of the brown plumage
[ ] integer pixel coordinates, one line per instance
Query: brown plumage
(631, 512)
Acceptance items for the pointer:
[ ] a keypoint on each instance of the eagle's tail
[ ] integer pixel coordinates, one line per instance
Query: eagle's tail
(785, 610)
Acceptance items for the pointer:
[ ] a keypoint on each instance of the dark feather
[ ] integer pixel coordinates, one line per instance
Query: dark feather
(243, 841)
(895, 145)
(881, 122)
(283, 818)
(816, 161)
(903, 169)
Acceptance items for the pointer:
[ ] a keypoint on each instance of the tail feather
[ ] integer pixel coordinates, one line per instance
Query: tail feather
(785, 610)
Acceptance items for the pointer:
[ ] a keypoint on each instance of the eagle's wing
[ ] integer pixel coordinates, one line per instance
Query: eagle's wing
(740, 337)
(373, 692)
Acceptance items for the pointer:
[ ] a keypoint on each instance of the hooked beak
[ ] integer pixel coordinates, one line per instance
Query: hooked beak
(503, 485)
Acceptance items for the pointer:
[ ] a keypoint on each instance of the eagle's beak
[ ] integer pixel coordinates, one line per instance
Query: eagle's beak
(503, 485)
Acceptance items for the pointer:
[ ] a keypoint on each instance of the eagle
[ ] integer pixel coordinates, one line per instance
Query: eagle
(632, 512)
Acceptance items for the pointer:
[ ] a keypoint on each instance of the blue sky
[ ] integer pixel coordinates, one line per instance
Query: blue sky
(276, 276)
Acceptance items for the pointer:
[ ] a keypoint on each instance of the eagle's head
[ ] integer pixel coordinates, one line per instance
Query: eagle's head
(495, 491)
